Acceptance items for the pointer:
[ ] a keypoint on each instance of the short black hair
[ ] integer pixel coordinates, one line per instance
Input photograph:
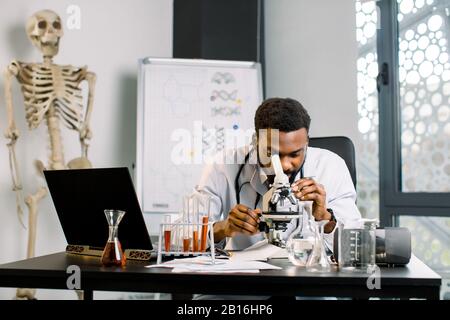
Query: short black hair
(284, 114)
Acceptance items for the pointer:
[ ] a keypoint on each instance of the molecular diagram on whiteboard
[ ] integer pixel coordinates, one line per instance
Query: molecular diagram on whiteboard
(223, 78)
(173, 183)
(213, 140)
(225, 111)
(181, 95)
(223, 95)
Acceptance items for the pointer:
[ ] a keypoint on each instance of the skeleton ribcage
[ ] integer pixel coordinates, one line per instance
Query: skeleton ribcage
(52, 91)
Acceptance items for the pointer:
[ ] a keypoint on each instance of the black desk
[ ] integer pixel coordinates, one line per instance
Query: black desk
(416, 280)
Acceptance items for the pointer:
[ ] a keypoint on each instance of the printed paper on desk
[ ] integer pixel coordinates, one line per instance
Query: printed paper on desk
(200, 260)
(181, 270)
(243, 241)
(260, 251)
(226, 266)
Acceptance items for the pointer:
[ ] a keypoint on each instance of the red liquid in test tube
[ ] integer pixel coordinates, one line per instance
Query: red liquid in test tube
(204, 233)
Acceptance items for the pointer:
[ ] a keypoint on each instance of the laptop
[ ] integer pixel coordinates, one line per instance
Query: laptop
(80, 197)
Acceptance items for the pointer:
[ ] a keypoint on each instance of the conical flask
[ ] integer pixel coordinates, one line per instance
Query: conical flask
(113, 254)
(318, 260)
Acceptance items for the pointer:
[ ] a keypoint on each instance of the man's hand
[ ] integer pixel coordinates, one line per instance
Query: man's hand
(241, 220)
(308, 189)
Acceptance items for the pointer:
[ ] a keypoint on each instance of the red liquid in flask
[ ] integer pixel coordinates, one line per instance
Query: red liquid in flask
(113, 254)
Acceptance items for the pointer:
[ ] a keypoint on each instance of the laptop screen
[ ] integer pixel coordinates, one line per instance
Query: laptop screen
(80, 197)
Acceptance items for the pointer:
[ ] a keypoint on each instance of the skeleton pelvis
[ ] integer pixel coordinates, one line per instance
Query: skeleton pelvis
(79, 163)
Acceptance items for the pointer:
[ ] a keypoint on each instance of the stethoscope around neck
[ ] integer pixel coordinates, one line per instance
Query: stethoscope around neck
(238, 188)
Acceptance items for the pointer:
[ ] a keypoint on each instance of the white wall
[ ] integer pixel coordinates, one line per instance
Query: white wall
(311, 54)
(113, 35)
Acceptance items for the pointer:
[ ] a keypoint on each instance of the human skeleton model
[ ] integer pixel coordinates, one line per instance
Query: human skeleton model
(52, 94)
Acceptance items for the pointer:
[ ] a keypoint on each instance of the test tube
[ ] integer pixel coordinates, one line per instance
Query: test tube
(195, 223)
(205, 220)
(167, 233)
(186, 220)
(178, 235)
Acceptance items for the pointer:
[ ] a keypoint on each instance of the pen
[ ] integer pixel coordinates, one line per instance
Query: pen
(223, 252)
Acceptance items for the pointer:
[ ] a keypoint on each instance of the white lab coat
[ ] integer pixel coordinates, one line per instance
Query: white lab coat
(330, 170)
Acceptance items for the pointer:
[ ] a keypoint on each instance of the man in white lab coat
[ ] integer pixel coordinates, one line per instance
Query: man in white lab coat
(316, 175)
(237, 189)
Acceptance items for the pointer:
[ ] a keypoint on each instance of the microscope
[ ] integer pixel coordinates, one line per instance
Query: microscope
(280, 206)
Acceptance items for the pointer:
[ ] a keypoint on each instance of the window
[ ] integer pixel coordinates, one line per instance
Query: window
(424, 79)
(414, 99)
(413, 92)
(367, 71)
(406, 125)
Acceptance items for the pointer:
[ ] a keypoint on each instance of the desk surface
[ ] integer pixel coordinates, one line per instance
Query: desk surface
(414, 280)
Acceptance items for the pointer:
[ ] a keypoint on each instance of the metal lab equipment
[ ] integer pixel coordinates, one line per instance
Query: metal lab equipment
(280, 206)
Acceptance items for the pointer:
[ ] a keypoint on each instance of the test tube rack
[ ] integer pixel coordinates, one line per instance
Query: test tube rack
(177, 245)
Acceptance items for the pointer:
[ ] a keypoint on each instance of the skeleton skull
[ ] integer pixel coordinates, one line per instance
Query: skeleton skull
(44, 29)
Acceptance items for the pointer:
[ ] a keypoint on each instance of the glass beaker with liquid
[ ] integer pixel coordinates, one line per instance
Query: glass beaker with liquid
(301, 241)
(356, 251)
(112, 253)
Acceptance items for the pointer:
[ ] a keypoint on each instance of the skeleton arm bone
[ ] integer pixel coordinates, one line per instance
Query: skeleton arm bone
(85, 131)
(11, 71)
(13, 134)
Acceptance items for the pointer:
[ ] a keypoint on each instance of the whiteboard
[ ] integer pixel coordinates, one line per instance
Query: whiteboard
(186, 109)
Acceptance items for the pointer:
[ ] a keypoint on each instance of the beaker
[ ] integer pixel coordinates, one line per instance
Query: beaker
(300, 242)
(318, 260)
(112, 253)
(356, 247)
